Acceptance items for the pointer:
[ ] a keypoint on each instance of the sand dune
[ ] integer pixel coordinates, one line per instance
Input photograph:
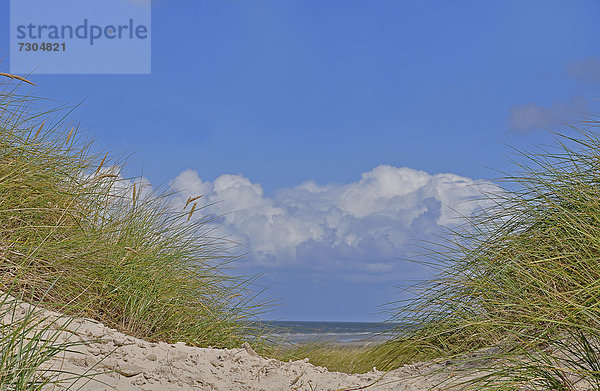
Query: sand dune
(115, 361)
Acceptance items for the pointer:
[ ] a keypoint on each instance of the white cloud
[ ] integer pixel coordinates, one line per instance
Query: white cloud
(531, 116)
(360, 228)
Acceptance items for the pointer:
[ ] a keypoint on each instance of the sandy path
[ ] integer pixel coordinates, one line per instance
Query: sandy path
(121, 362)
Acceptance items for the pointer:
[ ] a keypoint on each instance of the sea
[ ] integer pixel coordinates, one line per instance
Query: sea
(331, 333)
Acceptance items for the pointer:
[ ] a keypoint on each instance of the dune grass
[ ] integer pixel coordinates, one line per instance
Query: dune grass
(28, 341)
(81, 237)
(347, 359)
(517, 294)
(522, 276)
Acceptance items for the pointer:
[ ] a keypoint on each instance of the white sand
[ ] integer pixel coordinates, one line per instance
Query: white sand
(121, 362)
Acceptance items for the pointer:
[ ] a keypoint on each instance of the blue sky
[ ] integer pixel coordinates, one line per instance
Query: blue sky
(337, 132)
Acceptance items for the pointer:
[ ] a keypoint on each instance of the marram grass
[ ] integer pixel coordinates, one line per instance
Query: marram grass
(28, 341)
(81, 238)
(516, 302)
(521, 278)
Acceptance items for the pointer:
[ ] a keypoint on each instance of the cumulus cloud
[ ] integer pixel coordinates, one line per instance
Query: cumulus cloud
(359, 229)
(531, 116)
(586, 70)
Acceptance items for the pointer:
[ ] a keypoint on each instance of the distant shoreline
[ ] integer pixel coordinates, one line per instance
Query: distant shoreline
(335, 334)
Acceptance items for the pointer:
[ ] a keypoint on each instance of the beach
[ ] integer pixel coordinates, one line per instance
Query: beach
(105, 359)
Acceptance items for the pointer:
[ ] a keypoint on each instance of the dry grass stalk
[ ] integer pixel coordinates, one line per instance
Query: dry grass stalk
(192, 211)
(70, 134)
(102, 163)
(190, 199)
(15, 77)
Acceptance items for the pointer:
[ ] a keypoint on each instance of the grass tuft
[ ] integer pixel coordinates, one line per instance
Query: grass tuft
(522, 277)
(28, 343)
(76, 232)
